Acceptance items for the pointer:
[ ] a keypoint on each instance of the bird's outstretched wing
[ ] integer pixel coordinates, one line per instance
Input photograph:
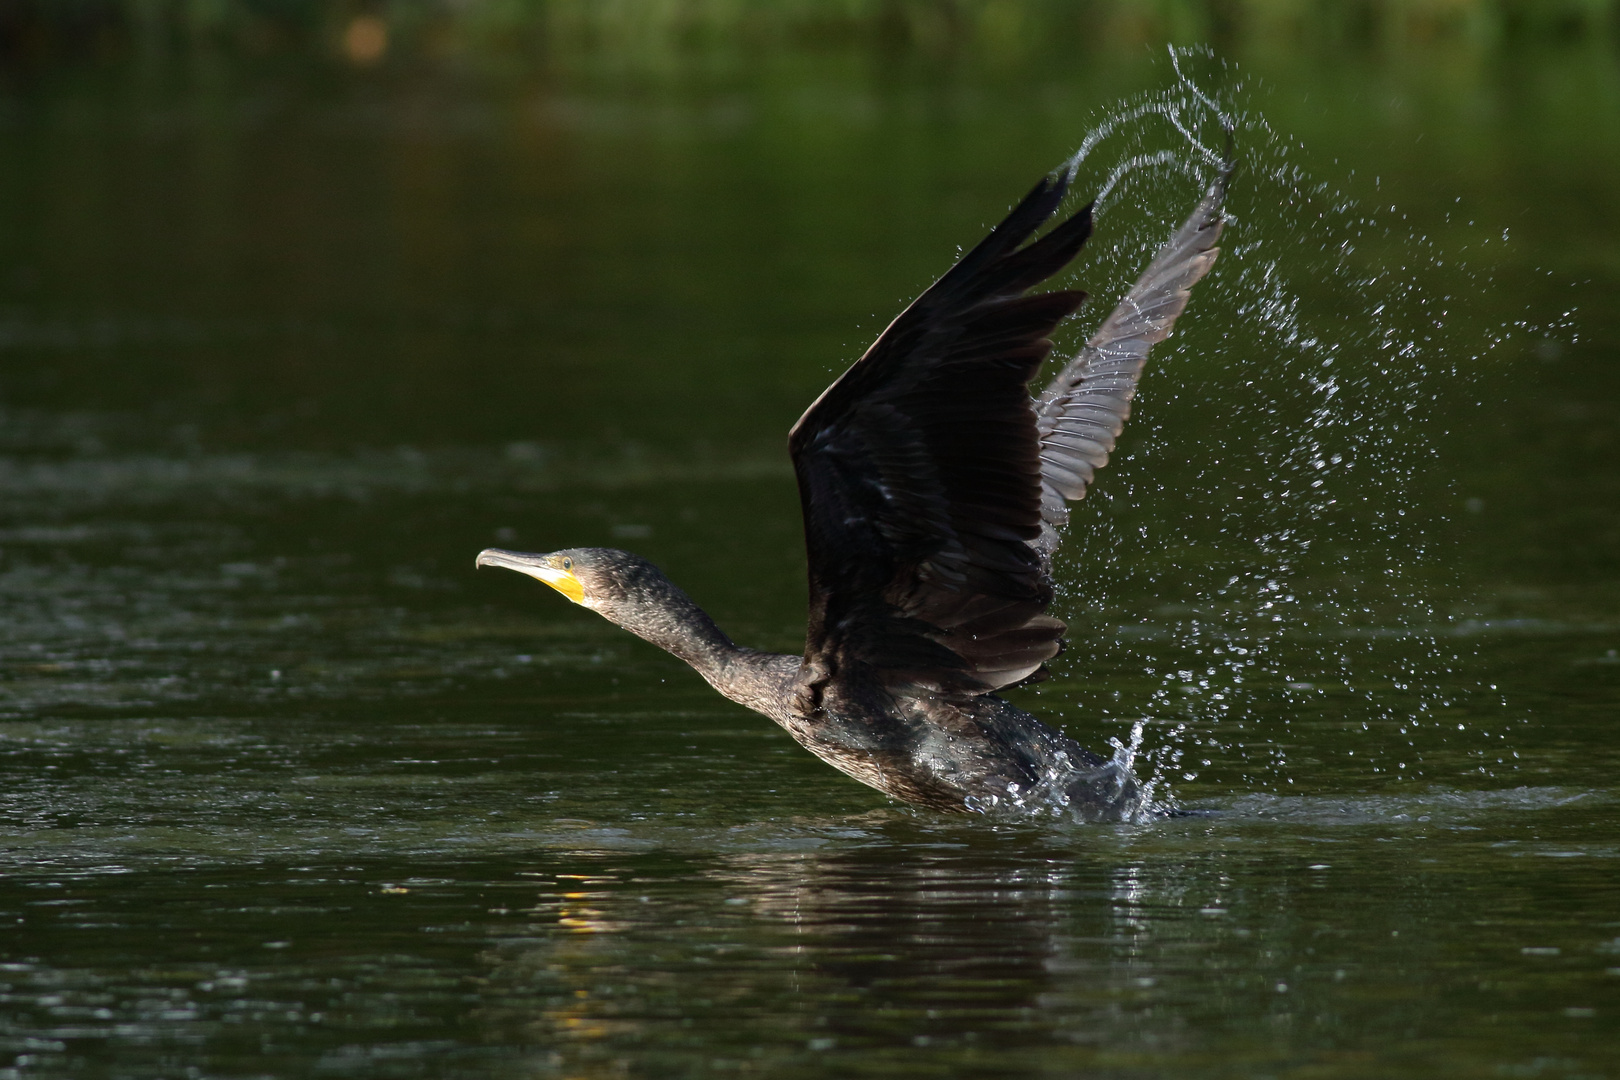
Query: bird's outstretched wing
(920, 475)
(1082, 411)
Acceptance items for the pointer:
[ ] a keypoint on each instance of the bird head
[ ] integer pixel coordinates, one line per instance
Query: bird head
(605, 580)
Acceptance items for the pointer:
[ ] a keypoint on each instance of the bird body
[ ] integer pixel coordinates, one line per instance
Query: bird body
(933, 489)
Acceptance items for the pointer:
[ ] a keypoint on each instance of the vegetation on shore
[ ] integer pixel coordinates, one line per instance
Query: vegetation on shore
(369, 31)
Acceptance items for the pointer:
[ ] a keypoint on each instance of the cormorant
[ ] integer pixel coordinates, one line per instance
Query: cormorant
(933, 487)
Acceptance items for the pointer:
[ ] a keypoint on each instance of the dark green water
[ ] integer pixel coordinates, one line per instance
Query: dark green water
(289, 790)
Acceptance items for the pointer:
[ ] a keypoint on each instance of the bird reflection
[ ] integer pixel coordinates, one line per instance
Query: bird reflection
(946, 945)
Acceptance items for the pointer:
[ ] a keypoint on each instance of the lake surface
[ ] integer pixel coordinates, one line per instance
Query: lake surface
(290, 790)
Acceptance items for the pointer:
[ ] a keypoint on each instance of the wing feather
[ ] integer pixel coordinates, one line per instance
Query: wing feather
(920, 477)
(933, 486)
(1083, 410)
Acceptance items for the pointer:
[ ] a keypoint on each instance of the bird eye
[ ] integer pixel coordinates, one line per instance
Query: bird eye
(568, 564)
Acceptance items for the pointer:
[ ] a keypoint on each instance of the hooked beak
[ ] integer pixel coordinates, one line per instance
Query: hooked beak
(546, 568)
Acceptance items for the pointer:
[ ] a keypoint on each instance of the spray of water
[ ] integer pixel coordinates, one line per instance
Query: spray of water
(1259, 580)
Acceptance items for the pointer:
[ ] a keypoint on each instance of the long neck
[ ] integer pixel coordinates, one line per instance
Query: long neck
(669, 619)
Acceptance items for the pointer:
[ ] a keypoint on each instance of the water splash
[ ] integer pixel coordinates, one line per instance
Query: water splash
(1078, 791)
(1259, 529)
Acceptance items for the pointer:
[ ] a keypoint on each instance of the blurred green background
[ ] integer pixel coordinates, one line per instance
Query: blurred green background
(353, 194)
(641, 32)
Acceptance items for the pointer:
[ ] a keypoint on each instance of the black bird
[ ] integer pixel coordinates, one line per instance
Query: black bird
(933, 488)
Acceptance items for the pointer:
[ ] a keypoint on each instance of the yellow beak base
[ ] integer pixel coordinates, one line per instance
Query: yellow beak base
(563, 581)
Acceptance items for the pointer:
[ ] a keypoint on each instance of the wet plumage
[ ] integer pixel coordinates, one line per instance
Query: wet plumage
(933, 489)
